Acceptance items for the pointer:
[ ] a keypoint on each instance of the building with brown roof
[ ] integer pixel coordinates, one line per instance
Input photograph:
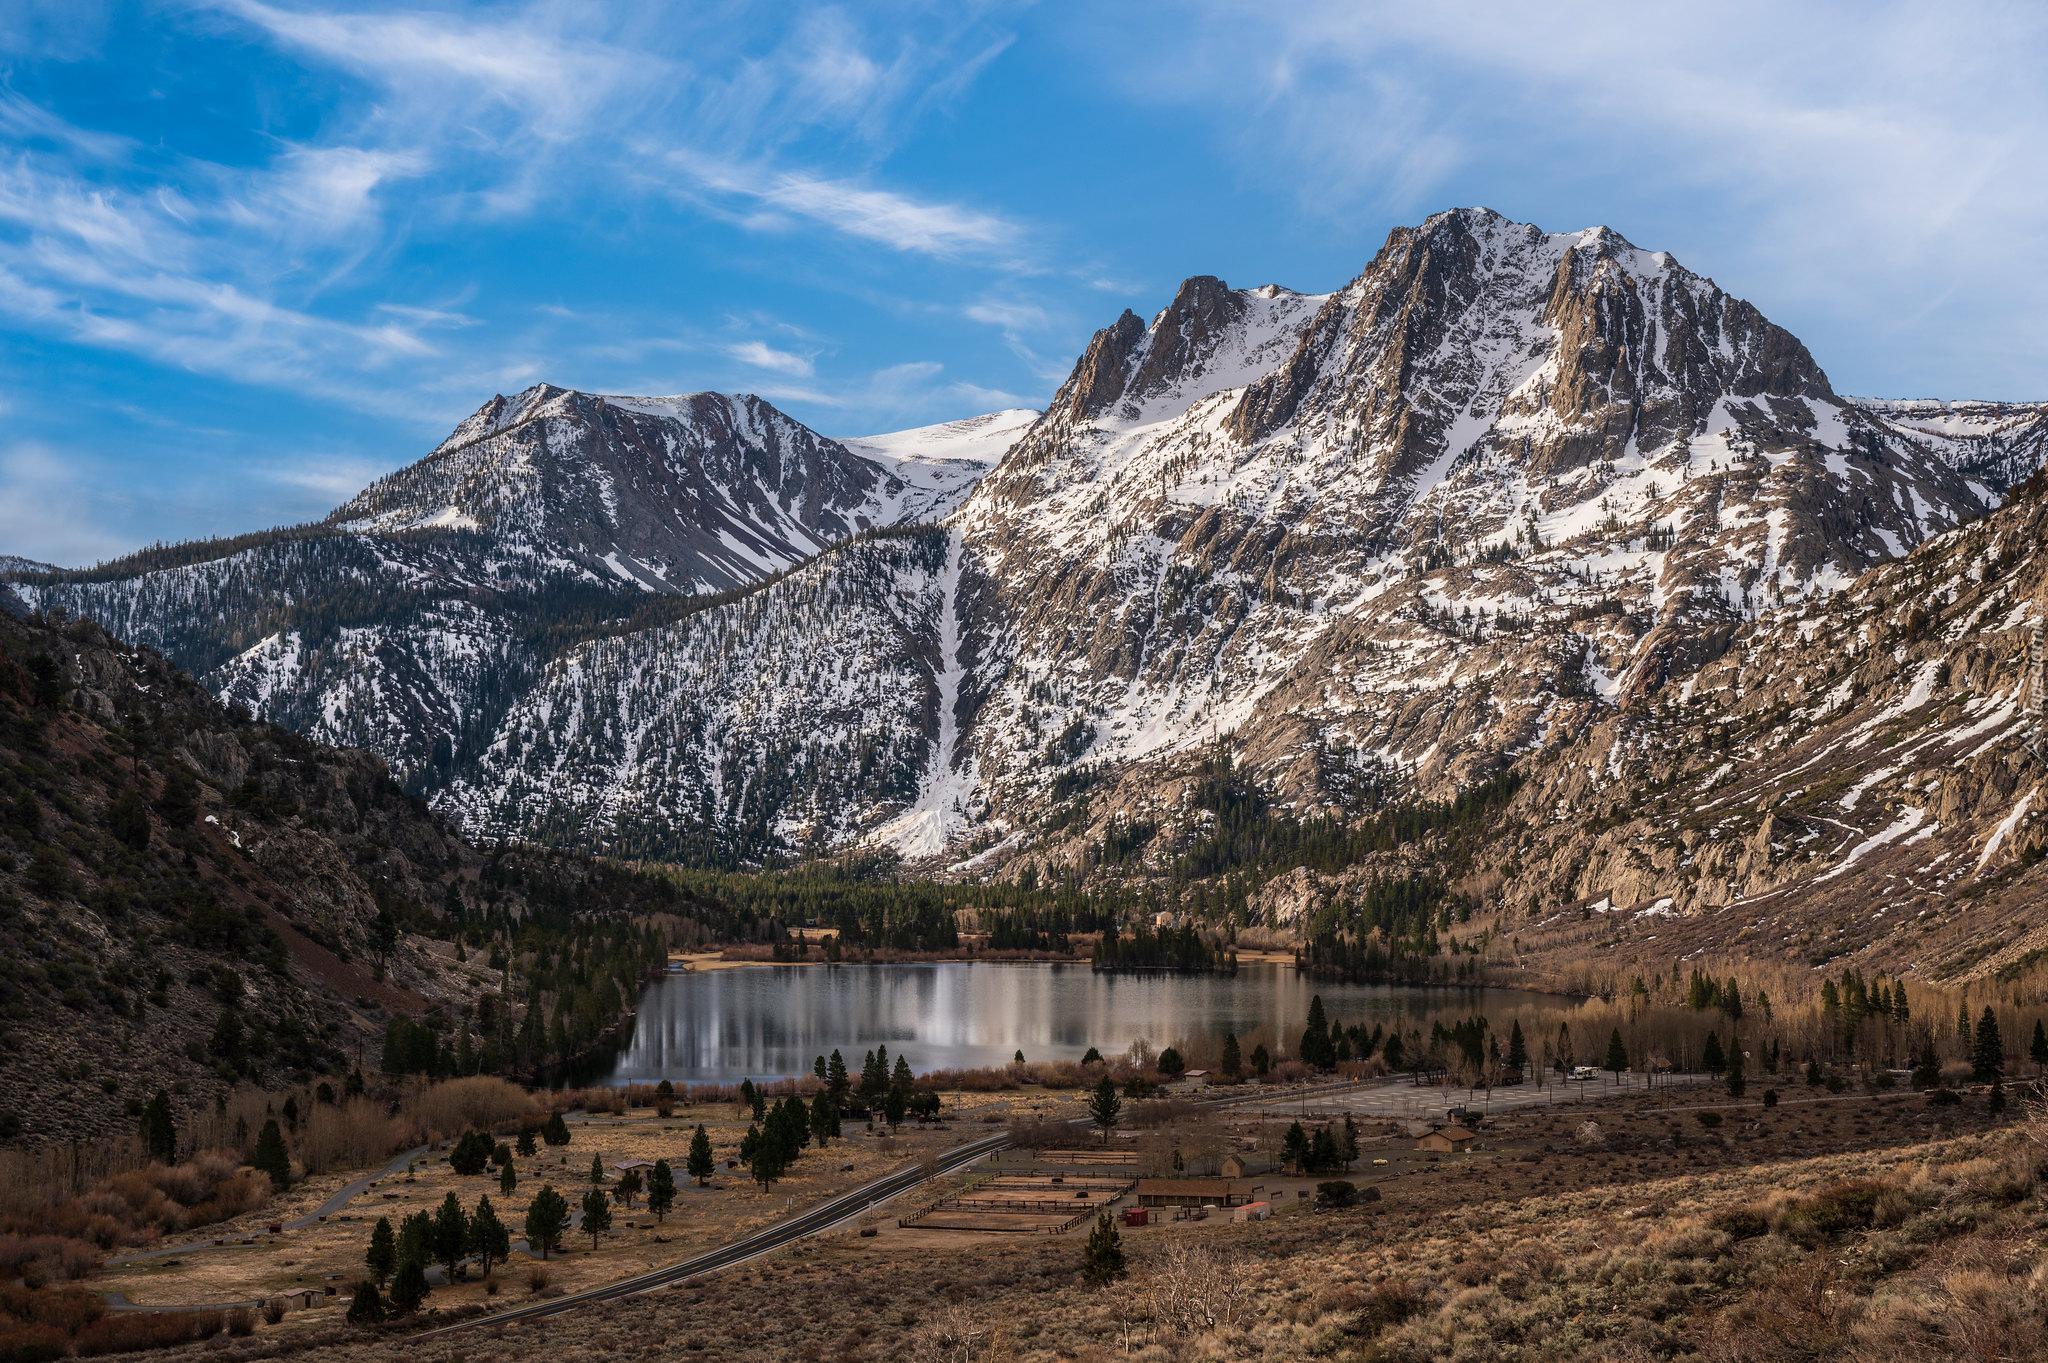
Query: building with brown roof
(1192, 1192)
(1447, 1140)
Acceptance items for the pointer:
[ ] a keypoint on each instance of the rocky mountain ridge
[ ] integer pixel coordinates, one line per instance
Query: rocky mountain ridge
(1854, 782)
(1502, 487)
(167, 864)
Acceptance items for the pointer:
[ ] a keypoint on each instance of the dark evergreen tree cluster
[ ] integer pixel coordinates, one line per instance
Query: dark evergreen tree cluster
(1180, 949)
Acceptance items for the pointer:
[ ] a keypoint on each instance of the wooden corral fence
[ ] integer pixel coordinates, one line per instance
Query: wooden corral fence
(1086, 1157)
(1028, 1204)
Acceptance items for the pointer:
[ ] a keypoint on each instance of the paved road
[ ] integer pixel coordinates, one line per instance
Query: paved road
(822, 1217)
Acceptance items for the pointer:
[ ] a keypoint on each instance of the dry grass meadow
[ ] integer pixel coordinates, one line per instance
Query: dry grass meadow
(1862, 1226)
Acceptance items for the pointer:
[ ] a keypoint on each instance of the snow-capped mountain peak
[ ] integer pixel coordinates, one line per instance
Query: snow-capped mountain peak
(1502, 484)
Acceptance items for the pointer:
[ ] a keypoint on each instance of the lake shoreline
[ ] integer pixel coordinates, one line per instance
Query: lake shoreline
(701, 961)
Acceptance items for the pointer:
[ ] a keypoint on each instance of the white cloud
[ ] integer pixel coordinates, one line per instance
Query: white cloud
(762, 356)
(770, 199)
(1871, 169)
(48, 513)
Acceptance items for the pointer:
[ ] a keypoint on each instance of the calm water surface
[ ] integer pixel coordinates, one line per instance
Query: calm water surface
(772, 1020)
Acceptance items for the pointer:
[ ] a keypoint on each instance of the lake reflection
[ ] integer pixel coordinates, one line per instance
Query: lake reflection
(767, 1021)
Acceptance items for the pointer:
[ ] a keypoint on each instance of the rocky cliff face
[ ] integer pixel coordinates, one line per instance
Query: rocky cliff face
(164, 861)
(1857, 781)
(700, 492)
(420, 615)
(1498, 492)
(1501, 484)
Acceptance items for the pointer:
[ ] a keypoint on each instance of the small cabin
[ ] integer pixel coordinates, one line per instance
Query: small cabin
(643, 1167)
(1234, 1166)
(1447, 1140)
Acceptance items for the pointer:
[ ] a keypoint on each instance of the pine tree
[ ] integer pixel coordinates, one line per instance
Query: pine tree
(270, 1157)
(1170, 1063)
(597, 1169)
(1617, 1053)
(128, 820)
(1102, 1261)
(836, 1079)
(507, 1179)
(1736, 1083)
(1233, 1059)
(1987, 1051)
(665, 1099)
(1323, 1152)
(1262, 1062)
(895, 1106)
(824, 1118)
(597, 1215)
(471, 1155)
(1093, 1057)
(451, 1235)
(489, 1241)
(410, 1288)
(901, 1079)
(1518, 1049)
(764, 1160)
(547, 1216)
(629, 1186)
(160, 1133)
(556, 1132)
(416, 1238)
(526, 1145)
(661, 1190)
(366, 1307)
(1104, 1106)
(1295, 1149)
(702, 1165)
(1315, 1038)
(1712, 1059)
(382, 1256)
(2038, 1052)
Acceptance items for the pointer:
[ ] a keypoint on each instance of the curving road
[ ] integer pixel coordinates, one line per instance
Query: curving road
(822, 1217)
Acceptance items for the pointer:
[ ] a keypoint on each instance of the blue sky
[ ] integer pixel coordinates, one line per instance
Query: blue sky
(254, 254)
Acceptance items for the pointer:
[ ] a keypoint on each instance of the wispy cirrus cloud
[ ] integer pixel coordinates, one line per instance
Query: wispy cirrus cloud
(1869, 169)
(759, 355)
(771, 199)
(268, 268)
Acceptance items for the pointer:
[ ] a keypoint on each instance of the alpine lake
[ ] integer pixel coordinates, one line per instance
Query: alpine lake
(772, 1021)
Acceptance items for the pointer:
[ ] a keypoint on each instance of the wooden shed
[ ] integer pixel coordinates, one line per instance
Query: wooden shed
(1192, 1192)
(1234, 1166)
(1447, 1140)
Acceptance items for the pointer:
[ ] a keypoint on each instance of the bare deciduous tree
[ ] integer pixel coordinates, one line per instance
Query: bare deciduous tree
(950, 1336)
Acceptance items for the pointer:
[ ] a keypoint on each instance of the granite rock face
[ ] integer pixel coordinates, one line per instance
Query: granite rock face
(1501, 490)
